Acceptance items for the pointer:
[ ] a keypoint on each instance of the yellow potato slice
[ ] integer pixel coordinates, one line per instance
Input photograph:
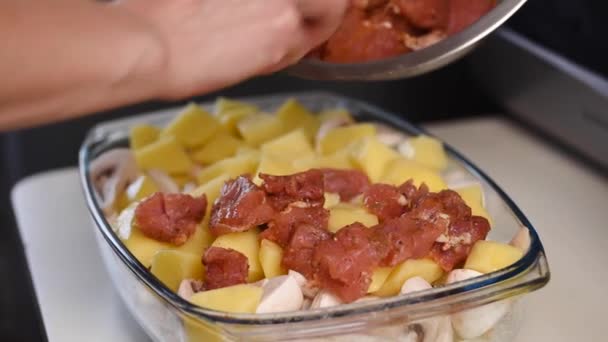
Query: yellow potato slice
(290, 146)
(192, 127)
(259, 128)
(379, 278)
(166, 155)
(230, 112)
(247, 243)
(429, 151)
(211, 188)
(233, 167)
(331, 200)
(271, 256)
(201, 239)
(345, 214)
(472, 195)
(294, 115)
(236, 299)
(171, 267)
(335, 114)
(221, 146)
(183, 179)
(372, 157)
(425, 268)
(341, 137)
(335, 161)
(273, 165)
(143, 247)
(400, 170)
(224, 105)
(489, 256)
(199, 330)
(142, 135)
(121, 202)
(143, 187)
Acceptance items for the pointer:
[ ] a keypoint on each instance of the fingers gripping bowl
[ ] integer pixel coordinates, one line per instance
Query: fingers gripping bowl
(475, 299)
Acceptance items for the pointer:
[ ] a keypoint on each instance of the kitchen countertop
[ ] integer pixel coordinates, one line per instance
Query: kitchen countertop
(563, 199)
(567, 204)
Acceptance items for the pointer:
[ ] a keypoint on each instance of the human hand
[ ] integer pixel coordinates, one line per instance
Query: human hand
(209, 44)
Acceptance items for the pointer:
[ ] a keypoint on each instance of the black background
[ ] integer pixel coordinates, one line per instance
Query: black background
(576, 29)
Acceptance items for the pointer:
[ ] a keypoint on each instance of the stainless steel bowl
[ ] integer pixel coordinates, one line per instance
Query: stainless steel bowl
(413, 63)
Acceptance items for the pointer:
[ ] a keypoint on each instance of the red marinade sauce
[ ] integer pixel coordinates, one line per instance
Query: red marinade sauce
(304, 187)
(463, 229)
(414, 223)
(347, 183)
(385, 201)
(461, 237)
(406, 238)
(463, 13)
(344, 264)
(241, 206)
(224, 267)
(298, 255)
(362, 37)
(378, 29)
(281, 227)
(170, 217)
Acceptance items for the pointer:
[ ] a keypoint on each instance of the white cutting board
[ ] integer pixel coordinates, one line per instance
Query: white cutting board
(74, 292)
(566, 202)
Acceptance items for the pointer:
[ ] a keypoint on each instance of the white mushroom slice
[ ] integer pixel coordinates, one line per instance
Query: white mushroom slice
(435, 329)
(415, 284)
(389, 136)
(461, 274)
(329, 125)
(366, 299)
(325, 299)
(195, 170)
(163, 181)
(124, 222)
(409, 336)
(261, 283)
(445, 333)
(281, 294)
(457, 176)
(308, 289)
(188, 187)
(134, 187)
(112, 219)
(111, 173)
(406, 149)
(521, 239)
(306, 304)
(300, 279)
(189, 287)
(473, 323)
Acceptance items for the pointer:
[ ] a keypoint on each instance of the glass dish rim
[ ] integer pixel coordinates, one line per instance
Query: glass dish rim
(96, 136)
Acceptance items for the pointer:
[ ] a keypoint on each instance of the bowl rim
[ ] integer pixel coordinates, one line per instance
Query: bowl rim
(102, 137)
(416, 62)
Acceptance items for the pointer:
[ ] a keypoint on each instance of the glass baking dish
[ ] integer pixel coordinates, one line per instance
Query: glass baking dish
(167, 317)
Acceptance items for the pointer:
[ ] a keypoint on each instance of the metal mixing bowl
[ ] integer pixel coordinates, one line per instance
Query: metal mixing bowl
(413, 63)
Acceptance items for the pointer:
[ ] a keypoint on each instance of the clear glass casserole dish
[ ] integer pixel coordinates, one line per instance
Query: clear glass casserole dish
(168, 317)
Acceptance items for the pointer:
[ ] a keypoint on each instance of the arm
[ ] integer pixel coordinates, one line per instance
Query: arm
(65, 58)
